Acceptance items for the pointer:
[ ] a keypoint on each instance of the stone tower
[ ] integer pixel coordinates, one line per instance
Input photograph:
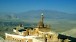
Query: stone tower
(41, 24)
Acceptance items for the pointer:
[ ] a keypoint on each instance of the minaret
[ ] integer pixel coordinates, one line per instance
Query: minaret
(42, 17)
(41, 24)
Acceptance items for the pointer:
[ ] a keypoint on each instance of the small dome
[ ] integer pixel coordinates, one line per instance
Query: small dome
(42, 14)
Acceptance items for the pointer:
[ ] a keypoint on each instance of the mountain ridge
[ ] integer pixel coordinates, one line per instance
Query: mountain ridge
(49, 14)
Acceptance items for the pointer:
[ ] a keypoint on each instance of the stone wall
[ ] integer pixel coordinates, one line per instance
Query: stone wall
(14, 38)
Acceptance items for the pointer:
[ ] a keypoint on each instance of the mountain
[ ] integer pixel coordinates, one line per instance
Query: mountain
(4, 15)
(49, 14)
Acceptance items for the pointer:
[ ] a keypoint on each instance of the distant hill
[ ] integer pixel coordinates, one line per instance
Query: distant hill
(4, 15)
(71, 32)
(49, 14)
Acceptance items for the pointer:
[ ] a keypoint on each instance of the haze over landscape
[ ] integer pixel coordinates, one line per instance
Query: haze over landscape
(60, 14)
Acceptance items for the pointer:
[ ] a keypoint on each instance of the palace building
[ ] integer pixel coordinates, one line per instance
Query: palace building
(41, 33)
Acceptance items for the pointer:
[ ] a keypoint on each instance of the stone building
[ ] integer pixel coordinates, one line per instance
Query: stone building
(41, 33)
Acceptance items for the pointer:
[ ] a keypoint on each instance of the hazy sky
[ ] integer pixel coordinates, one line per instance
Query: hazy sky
(68, 6)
